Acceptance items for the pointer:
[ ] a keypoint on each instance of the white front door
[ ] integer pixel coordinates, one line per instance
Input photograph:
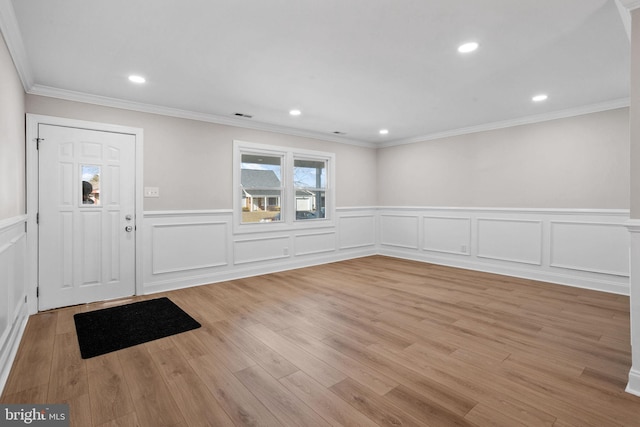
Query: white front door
(86, 211)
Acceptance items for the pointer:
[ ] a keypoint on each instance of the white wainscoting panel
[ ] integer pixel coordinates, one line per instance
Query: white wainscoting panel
(18, 272)
(5, 280)
(399, 230)
(584, 248)
(257, 249)
(315, 243)
(589, 246)
(188, 246)
(575, 247)
(447, 234)
(514, 240)
(357, 231)
(13, 291)
(184, 248)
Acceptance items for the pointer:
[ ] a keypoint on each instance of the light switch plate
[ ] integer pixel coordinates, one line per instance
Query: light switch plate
(151, 192)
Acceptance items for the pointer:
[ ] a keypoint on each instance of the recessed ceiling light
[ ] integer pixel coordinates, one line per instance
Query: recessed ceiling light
(295, 112)
(137, 79)
(468, 47)
(539, 98)
(384, 132)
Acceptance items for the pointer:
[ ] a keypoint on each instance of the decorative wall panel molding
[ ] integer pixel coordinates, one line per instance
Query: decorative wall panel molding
(357, 231)
(590, 246)
(576, 247)
(583, 248)
(188, 246)
(315, 243)
(13, 284)
(399, 231)
(514, 240)
(447, 234)
(250, 250)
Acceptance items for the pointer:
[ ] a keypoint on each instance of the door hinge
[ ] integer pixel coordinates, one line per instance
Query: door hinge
(38, 142)
(38, 218)
(37, 291)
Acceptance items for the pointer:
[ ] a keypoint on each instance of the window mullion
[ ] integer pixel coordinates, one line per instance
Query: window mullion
(289, 188)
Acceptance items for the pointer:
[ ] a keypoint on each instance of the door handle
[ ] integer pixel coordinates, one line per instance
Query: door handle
(128, 229)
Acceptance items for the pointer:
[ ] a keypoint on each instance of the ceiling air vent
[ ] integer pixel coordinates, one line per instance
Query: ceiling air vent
(246, 116)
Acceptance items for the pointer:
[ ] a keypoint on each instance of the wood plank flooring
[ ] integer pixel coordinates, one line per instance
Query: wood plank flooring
(366, 342)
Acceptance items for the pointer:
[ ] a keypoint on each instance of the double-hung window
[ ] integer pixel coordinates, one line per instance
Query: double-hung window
(277, 187)
(310, 184)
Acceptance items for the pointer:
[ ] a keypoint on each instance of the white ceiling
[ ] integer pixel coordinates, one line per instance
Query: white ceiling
(353, 66)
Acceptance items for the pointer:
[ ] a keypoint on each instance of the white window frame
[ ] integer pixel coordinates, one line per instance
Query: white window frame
(288, 198)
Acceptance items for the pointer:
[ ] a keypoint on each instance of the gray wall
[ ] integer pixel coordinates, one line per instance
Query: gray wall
(12, 153)
(576, 163)
(191, 161)
(579, 162)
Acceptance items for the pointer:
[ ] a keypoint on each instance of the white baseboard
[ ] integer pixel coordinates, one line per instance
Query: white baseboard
(606, 284)
(633, 386)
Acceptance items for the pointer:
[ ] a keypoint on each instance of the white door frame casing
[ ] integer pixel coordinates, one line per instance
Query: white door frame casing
(33, 120)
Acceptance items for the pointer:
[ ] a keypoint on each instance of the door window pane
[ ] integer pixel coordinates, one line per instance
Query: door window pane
(90, 185)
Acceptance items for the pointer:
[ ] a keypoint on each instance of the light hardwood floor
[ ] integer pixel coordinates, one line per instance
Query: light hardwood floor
(371, 341)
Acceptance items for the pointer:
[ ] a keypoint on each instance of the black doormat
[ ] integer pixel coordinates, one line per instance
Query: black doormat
(115, 328)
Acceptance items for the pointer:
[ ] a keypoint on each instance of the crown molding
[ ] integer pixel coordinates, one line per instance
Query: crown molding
(571, 112)
(248, 124)
(13, 39)
(104, 101)
(630, 4)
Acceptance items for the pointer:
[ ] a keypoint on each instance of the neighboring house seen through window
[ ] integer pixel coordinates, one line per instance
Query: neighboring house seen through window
(261, 182)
